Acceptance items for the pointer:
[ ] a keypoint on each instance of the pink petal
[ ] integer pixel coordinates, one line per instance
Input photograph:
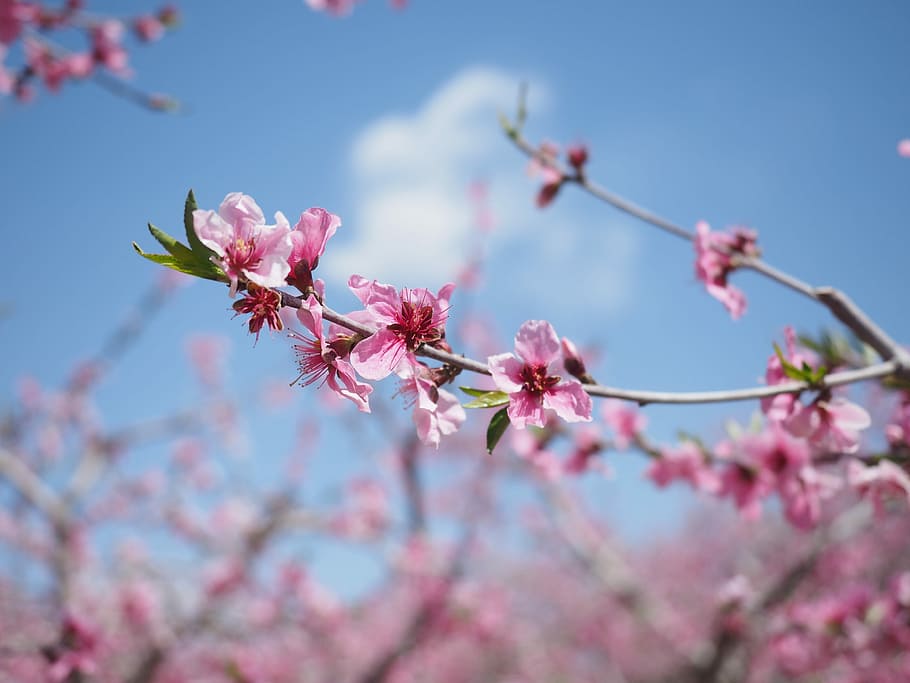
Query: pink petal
(378, 356)
(240, 209)
(310, 316)
(443, 296)
(274, 246)
(848, 416)
(212, 231)
(570, 401)
(525, 409)
(506, 371)
(536, 342)
(354, 390)
(313, 230)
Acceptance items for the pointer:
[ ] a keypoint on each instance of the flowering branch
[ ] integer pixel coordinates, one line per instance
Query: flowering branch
(838, 303)
(879, 370)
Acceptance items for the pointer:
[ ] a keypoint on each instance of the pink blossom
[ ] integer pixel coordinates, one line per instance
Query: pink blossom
(207, 353)
(246, 248)
(107, 49)
(779, 408)
(626, 421)
(775, 452)
(406, 319)
(803, 493)
(7, 80)
(13, 16)
(325, 361)
(309, 238)
(339, 8)
(263, 305)
(138, 604)
(528, 377)
(543, 165)
(747, 485)
(686, 462)
(586, 444)
(898, 429)
(223, 576)
(714, 261)
(437, 412)
(903, 148)
(52, 70)
(578, 156)
(573, 362)
(148, 28)
(879, 481)
(82, 644)
(368, 510)
(831, 425)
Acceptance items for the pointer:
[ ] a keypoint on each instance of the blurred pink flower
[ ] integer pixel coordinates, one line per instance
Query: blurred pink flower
(626, 421)
(686, 462)
(833, 425)
(715, 254)
(878, 482)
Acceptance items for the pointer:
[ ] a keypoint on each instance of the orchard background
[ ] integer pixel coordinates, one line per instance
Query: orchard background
(782, 118)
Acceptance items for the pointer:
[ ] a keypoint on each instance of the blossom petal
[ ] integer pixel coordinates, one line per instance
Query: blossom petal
(570, 401)
(354, 390)
(241, 209)
(525, 409)
(536, 342)
(310, 316)
(313, 230)
(212, 231)
(378, 356)
(506, 371)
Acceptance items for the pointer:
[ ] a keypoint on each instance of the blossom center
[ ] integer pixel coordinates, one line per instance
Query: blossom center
(416, 325)
(242, 254)
(535, 379)
(313, 363)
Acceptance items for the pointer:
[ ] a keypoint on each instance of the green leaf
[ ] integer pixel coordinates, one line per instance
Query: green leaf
(488, 399)
(207, 270)
(191, 237)
(498, 425)
(175, 248)
(473, 392)
(506, 126)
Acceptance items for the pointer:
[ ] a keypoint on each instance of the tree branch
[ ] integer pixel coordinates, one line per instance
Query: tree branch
(879, 370)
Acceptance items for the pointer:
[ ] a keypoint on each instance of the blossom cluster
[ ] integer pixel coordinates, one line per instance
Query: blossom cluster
(544, 165)
(30, 23)
(259, 257)
(804, 453)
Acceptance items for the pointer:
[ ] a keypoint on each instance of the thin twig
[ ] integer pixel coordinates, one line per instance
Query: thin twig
(840, 306)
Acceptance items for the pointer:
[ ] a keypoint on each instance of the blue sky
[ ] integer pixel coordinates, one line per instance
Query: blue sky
(782, 116)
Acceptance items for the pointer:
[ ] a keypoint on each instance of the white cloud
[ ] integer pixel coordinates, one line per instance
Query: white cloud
(413, 221)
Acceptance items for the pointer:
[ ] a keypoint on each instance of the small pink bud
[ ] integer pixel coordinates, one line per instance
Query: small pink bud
(548, 193)
(578, 156)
